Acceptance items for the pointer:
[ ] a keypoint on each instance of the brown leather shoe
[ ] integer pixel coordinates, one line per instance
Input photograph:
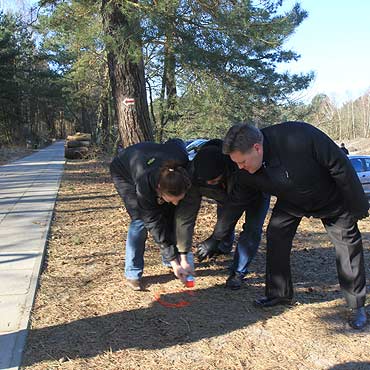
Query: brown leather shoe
(134, 284)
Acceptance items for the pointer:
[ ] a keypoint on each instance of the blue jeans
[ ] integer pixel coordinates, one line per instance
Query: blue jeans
(250, 237)
(135, 248)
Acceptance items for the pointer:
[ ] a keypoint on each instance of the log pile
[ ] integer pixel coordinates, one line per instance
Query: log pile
(77, 146)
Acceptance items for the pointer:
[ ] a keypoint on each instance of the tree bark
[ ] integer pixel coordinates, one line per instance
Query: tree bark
(126, 73)
(168, 91)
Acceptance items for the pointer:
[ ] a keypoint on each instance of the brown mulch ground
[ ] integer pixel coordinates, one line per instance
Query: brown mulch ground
(85, 317)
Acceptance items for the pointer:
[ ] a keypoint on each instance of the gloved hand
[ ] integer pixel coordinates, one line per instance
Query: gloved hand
(207, 248)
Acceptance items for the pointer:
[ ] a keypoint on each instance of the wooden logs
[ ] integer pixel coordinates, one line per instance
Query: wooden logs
(77, 146)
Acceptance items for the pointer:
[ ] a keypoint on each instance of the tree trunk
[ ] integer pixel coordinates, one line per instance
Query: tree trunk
(168, 92)
(126, 73)
(340, 124)
(353, 121)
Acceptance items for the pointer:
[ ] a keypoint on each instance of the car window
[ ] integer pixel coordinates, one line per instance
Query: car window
(357, 164)
(367, 164)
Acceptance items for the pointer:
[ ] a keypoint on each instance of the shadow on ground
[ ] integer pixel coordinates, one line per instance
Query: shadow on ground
(352, 366)
(210, 312)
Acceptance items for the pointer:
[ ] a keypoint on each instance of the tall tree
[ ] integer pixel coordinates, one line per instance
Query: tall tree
(126, 70)
(236, 45)
(29, 89)
(72, 38)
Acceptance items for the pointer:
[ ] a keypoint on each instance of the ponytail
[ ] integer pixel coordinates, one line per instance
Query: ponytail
(173, 179)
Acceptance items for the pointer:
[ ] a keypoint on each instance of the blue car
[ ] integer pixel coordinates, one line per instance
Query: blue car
(193, 146)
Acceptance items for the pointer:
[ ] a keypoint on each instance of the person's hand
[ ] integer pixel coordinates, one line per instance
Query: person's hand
(185, 264)
(207, 248)
(179, 271)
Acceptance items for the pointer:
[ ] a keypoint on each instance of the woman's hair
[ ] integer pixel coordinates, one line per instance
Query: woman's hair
(173, 179)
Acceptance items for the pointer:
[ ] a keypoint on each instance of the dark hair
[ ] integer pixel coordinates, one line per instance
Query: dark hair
(173, 179)
(241, 137)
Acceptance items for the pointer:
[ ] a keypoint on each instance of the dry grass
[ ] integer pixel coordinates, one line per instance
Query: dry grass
(85, 318)
(9, 154)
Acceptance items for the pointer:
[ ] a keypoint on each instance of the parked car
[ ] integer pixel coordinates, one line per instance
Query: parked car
(361, 164)
(193, 146)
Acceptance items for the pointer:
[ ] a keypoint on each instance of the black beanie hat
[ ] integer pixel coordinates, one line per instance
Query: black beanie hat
(209, 163)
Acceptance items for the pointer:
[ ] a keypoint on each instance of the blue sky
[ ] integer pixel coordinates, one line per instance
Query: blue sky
(333, 41)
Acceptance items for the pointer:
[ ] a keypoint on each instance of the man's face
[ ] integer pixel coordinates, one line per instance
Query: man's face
(250, 161)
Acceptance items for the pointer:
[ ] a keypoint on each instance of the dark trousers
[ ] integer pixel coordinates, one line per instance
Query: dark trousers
(345, 236)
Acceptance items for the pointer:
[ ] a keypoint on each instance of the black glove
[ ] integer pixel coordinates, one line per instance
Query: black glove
(207, 248)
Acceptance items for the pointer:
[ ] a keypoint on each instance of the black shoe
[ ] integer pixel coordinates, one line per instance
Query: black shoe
(270, 302)
(234, 281)
(359, 318)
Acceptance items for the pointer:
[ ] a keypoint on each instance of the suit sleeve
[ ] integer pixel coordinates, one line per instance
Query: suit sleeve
(330, 156)
(185, 217)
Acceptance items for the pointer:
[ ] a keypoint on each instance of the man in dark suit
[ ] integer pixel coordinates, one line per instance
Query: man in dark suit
(312, 177)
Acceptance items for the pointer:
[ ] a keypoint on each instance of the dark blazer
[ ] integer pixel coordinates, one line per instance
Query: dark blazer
(306, 171)
(137, 169)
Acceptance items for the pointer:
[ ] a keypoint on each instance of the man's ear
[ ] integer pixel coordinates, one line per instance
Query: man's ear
(258, 147)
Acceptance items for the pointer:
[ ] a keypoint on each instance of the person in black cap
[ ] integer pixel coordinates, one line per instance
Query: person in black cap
(213, 175)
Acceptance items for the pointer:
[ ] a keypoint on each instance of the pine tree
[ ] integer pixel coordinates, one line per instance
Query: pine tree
(234, 45)
(126, 70)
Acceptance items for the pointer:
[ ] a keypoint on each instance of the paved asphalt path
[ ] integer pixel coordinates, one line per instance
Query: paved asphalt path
(28, 190)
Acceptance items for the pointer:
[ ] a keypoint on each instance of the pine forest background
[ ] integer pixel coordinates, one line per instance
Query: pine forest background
(194, 67)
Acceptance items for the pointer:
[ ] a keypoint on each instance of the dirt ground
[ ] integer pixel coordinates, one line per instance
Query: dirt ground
(85, 317)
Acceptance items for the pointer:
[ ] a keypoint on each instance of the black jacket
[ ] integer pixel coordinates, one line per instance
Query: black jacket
(139, 165)
(306, 171)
